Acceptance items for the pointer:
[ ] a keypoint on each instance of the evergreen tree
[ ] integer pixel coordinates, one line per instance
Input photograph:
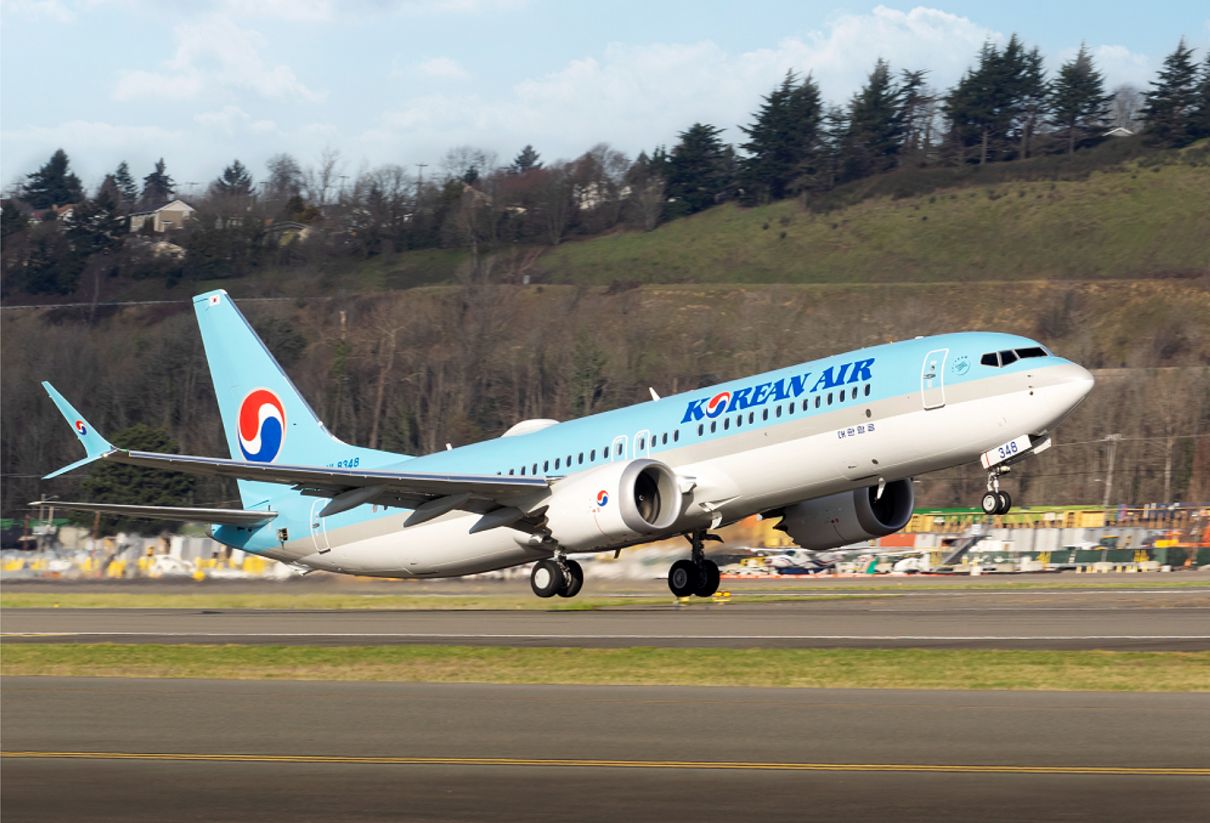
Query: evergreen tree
(11, 220)
(157, 186)
(1031, 97)
(914, 114)
(697, 170)
(875, 128)
(979, 107)
(235, 181)
(96, 225)
(134, 485)
(53, 184)
(784, 141)
(1200, 122)
(1079, 106)
(1172, 99)
(128, 190)
(526, 160)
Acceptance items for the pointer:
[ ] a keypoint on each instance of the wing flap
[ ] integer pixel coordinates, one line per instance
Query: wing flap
(183, 514)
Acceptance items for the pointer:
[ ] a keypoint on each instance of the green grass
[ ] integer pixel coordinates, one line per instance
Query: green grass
(817, 668)
(1134, 221)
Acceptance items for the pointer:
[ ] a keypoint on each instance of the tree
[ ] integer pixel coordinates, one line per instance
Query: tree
(1126, 108)
(11, 220)
(916, 115)
(235, 181)
(128, 191)
(1200, 121)
(134, 485)
(1172, 98)
(53, 184)
(157, 186)
(285, 178)
(1079, 106)
(526, 160)
(647, 195)
(698, 170)
(1031, 95)
(875, 126)
(783, 142)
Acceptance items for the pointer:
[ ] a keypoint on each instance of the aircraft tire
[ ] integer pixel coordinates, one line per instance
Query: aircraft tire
(546, 579)
(575, 581)
(1006, 503)
(991, 503)
(682, 578)
(707, 579)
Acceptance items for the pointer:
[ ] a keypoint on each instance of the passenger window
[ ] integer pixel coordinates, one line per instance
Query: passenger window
(713, 426)
(777, 412)
(818, 399)
(522, 471)
(592, 455)
(726, 423)
(545, 466)
(664, 439)
(556, 464)
(867, 389)
(676, 436)
(751, 417)
(580, 459)
(791, 408)
(853, 394)
(642, 443)
(990, 359)
(764, 415)
(510, 472)
(829, 398)
(535, 471)
(701, 429)
(618, 452)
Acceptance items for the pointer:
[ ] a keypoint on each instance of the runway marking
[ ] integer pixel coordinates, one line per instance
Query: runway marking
(622, 764)
(472, 636)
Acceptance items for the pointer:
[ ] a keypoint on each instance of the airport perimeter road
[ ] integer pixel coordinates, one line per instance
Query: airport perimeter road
(150, 750)
(1135, 620)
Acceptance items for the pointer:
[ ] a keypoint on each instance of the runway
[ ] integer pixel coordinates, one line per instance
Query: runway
(134, 750)
(1130, 620)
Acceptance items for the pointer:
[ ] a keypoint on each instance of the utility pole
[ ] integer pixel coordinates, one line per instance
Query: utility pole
(1112, 440)
(420, 178)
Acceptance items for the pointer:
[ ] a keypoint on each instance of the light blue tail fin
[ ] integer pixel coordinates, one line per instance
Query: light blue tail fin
(94, 444)
(265, 418)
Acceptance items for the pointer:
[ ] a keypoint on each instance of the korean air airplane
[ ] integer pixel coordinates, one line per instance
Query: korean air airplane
(829, 446)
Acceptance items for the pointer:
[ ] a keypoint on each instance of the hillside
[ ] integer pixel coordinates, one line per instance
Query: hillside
(1135, 221)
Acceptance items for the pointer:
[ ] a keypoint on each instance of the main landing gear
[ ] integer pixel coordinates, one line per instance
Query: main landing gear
(697, 575)
(557, 575)
(995, 501)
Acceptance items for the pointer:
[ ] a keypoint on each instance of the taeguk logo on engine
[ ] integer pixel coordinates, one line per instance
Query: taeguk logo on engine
(602, 497)
(262, 426)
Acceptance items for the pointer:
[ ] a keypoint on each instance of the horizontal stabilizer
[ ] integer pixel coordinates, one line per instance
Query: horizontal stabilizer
(183, 514)
(94, 444)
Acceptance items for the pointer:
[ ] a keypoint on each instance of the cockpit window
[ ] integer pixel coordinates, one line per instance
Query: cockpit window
(999, 359)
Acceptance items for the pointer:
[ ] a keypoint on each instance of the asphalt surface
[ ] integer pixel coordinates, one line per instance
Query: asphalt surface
(1137, 620)
(132, 750)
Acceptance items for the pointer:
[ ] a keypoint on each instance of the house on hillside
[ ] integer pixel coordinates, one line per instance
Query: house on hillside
(1119, 132)
(163, 217)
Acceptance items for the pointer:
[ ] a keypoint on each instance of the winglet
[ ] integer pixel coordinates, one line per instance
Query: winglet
(94, 444)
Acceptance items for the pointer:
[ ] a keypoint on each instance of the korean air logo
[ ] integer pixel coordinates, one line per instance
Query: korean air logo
(81, 428)
(262, 426)
(718, 404)
(602, 498)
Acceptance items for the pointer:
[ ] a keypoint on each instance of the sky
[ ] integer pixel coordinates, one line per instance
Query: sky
(203, 82)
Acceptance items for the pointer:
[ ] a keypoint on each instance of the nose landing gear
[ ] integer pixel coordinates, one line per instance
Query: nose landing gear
(696, 575)
(995, 501)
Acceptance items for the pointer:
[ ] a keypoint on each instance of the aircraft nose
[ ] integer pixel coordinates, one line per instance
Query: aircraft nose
(1069, 384)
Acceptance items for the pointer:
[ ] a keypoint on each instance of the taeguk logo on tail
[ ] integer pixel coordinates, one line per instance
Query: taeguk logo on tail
(262, 426)
(81, 428)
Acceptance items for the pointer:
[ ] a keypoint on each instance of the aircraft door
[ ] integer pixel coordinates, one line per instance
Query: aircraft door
(319, 526)
(642, 444)
(618, 451)
(932, 379)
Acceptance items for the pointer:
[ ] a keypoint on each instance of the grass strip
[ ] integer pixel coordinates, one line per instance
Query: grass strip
(817, 668)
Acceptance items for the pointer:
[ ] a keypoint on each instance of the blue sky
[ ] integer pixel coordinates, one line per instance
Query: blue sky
(203, 82)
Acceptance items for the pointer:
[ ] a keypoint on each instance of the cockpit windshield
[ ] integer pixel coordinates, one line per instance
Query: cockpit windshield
(1000, 359)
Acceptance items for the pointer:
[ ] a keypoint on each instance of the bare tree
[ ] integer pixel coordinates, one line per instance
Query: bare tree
(319, 181)
(1126, 108)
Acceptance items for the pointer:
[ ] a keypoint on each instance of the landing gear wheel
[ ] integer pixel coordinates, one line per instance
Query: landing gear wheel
(575, 580)
(546, 579)
(991, 503)
(1006, 503)
(683, 578)
(707, 579)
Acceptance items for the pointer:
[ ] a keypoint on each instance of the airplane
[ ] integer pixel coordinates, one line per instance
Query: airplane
(830, 446)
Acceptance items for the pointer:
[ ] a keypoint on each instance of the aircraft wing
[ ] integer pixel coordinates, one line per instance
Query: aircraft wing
(184, 514)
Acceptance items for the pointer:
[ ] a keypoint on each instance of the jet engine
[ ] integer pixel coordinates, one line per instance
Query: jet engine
(849, 517)
(614, 504)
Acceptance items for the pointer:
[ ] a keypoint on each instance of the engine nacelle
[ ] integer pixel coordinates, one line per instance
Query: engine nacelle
(613, 504)
(849, 517)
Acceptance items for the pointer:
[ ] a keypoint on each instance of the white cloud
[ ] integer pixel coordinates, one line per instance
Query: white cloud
(1120, 65)
(445, 68)
(634, 96)
(39, 9)
(214, 54)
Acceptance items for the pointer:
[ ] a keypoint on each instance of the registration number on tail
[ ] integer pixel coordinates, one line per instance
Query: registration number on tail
(1010, 449)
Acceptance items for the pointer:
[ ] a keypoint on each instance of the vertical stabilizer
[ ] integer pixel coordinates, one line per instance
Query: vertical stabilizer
(265, 418)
